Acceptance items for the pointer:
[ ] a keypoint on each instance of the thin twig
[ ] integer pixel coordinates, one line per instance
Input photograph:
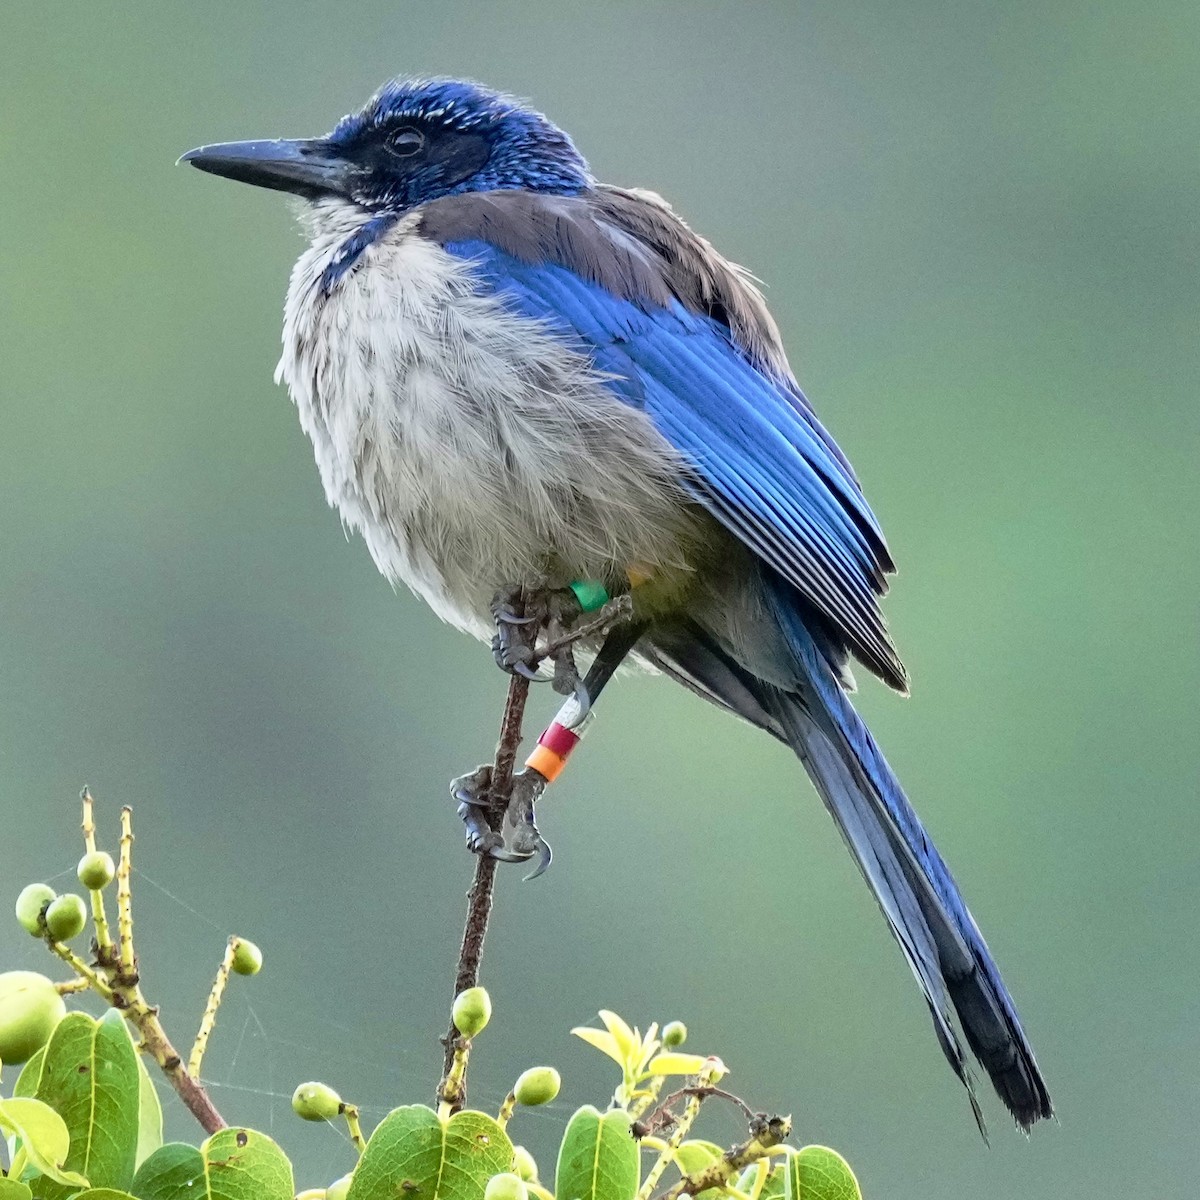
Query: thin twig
(479, 898)
(209, 1019)
(115, 978)
(765, 1134)
(125, 894)
(99, 915)
(617, 609)
(662, 1117)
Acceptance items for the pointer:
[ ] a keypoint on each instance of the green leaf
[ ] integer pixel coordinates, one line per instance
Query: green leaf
(598, 1158)
(776, 1186)
(90, 1078)
(30, 1076)
(604, 1042)
(696, 1154)
(773, 1186)
(674, 1063)
(150, 1117)
(234, 1164)
(626, 1038)
(416, 1155)
(818, 1173)
(43, 1136)
(14, 1189)
(99, 1194)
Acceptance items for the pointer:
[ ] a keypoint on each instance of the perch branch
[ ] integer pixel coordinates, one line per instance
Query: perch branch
(479, 898)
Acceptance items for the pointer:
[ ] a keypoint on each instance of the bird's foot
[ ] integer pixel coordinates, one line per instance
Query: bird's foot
(522, 613)
(518, 838)
(518, 616)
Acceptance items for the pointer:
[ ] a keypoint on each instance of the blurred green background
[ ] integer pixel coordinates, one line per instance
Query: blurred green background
(978, 226)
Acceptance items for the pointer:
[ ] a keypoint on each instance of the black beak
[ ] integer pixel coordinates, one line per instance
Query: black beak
(308, 167)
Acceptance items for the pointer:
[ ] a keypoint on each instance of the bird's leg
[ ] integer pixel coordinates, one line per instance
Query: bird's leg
(565, 610)
(518, 838)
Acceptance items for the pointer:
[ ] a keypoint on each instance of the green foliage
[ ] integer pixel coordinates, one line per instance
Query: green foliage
(40, 1141)
(598, 1159)
(235, 1164)
(150, 1116)
(818, 1173)
(416, 1152)
(83, 1120)
(90, 1078)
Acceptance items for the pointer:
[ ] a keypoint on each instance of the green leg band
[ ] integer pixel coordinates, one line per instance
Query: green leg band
(590, 593)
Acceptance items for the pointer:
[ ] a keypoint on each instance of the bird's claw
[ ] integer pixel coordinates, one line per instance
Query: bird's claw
(504, 614)
(515, 641)
(518, 839)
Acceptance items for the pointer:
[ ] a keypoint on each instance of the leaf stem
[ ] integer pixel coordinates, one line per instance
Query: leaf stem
(350, 1112)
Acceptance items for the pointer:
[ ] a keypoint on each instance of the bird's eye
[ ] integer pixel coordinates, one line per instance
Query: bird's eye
(406, 142)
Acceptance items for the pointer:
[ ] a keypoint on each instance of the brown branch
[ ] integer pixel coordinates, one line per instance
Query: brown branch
(479, 898)
(191, 1090)
(765, 1134)
(662, 1117)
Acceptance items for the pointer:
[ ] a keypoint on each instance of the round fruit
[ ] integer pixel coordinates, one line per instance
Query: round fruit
(316, 1102)
(472, 1011)
(66, 917)
(31, 903)
(538, 1085)
(506, 1187)
(339, 1189)
(674, 1034)
(524, 1164)
(247, 958)
(30, 1008)
(96, 870)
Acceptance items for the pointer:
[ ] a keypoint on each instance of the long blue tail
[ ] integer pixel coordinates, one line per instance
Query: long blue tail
(910, 881)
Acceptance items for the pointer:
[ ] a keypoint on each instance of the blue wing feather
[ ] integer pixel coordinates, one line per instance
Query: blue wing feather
(763, 465)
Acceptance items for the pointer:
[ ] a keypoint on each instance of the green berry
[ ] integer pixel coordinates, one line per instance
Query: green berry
(66, 917)
(30, 1009)
(538, 1085)
(674, 1034)
(96, 870)
(339, 1189)
(247, 958)
(472, 1011)
(316, 1102)
(524, 1165)
(506, 1187)
(31, 903)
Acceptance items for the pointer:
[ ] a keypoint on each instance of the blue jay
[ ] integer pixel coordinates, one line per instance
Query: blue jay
(519, 381)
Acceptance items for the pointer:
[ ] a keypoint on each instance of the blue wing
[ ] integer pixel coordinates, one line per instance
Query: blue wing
(762, 463)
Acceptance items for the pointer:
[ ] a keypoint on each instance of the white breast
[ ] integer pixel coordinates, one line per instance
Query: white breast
(470, 447)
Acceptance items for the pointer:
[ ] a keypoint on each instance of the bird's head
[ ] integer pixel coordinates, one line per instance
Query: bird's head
(414, 141)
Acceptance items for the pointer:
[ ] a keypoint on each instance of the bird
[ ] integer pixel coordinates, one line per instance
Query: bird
(518, 382)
